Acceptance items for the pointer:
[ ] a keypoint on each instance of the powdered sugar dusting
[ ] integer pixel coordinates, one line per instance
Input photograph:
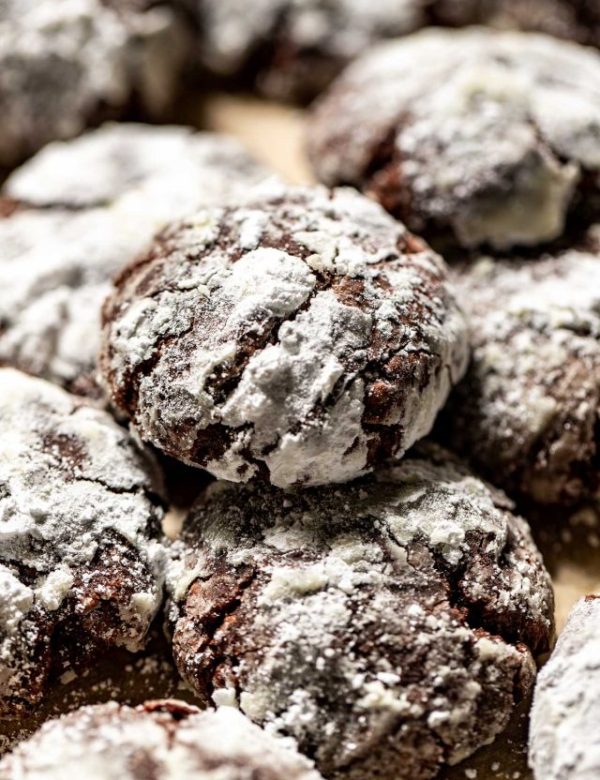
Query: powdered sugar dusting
(71, 484)
(61, 63)
(302, 357)
(489, 132)
(343, 627)
(565, 719)
(174, 168)
(101, 198)
(176, 741)
(267, 338)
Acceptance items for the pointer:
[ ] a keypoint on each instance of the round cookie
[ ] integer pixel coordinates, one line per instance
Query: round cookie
(168, 738)
(301, 338)
(81, 562)
(388, 625)
(564, 742)
(291, 49)
(66, 64)
(527, 412)
(491, 136)
(76, 213)
(162, 740)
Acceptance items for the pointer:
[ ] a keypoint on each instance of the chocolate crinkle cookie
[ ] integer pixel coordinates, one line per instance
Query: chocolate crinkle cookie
(76, 213)
(388, 625)
(66, 64)
(492, 137)
(290, 48)
(564, 742)
(81, 561)
(527, 413)
(159, 740)
(301, 338)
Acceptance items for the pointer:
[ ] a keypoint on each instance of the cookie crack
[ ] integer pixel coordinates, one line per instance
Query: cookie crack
(206, 629)
(471, 613)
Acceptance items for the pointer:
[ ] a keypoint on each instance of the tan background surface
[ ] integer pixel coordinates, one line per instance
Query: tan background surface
(571, 545)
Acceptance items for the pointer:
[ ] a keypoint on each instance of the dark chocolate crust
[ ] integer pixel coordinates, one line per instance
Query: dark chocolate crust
(388, 625)
(302, 338)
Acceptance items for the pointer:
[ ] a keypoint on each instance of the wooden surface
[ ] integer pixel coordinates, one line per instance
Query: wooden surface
(571, 545)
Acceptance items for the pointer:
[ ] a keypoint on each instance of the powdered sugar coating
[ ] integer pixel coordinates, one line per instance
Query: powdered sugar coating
(84, 209)
(527, 412)
(163, 740)
(80, 558)
(161, 170)
(383, 624)
(300, 44)
(485, 133)
(302, 338)
(62, 63)
(565, 719)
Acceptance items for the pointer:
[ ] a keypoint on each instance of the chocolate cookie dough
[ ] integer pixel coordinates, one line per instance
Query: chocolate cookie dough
(291, 49)
(388, 625)
(162, 740)
(492, 137)
(565, 720)
(528, 412)
(66, 64)
(81, 210)
(302, 338)
(81, 563)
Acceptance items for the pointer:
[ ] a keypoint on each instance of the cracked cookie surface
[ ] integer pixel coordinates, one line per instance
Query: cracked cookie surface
(388, 625)
(565, 720)
(159, 740)
(527, 413)
(81, 563)
(492, 136)
(302, 338)
(78, 212)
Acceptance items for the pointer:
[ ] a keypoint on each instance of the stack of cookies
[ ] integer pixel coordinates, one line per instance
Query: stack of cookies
(366, 385)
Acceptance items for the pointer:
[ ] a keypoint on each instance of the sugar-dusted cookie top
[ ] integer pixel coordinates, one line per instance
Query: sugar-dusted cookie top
(302, 338)
(493, 136)
(387, 624)
(162, 740)
(81, 563)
